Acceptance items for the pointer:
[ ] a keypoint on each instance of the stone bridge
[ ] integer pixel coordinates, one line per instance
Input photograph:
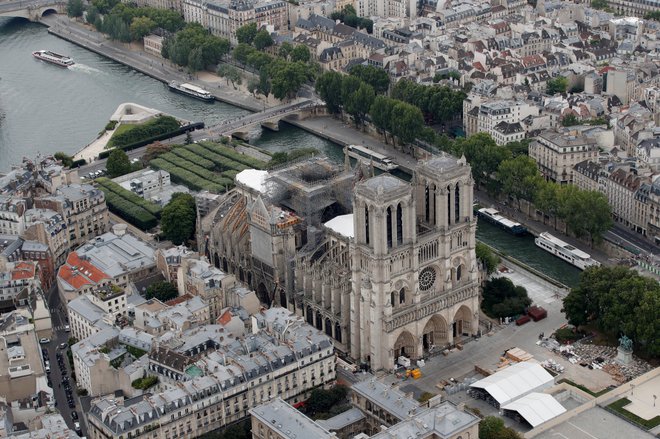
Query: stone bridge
(31, 10)
(268, 119)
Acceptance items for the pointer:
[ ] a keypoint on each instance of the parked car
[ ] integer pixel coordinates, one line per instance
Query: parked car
(72, 404)
(67, 328)
(44, 340)
(63, 346)
(76, 426)
(74, 415)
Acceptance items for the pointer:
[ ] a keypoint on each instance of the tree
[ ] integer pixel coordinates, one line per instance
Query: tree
(617, 300)
(118, 163)
(518, 147)
(230, 73)
(587, 213)
(141, 27)
(520, 178)
(599, 4)
(570, 120)
(287, 78)
(246, 34)
(407, 122)
(375, 77)
(92, 15)
(381, 113)
(488, 259)
(162, 291)
(501, 298)
(357, 102)
(329, 87)
(178, 218)
(492, 427)
(262, 40)
(483, 154)
(74, 8)
(66, 159)
(301, 53)
(556, 85)
(321, 400)
(285, 50)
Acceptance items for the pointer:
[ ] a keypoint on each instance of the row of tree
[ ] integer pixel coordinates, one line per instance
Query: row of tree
(282, 74)
(617, 301)
(195, 48)
(438, 103)
(126, 22)
(357, 98)
(505, 169)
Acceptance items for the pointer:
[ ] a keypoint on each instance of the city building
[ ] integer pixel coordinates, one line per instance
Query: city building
(150, 184)
(212, 379)
(17, 278)
(556, 154)
(115, 258)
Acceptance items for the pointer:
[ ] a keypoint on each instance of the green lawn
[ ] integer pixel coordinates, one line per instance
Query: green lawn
(617, 406)
(120, 129)
(584, 389)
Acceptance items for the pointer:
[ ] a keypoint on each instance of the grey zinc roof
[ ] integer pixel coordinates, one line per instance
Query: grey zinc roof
(387, 397)
(83, 306)
(117, 255)
(343, 419)
(289, 422)
(442, 421)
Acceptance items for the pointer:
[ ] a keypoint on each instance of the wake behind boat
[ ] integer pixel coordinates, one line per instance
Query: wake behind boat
(53, 58)
(191, 90)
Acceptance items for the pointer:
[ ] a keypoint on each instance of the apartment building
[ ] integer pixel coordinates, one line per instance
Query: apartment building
(277, 419)
(499, 118)
(637, 8)
(11, 215)
(224, 17)
(113, 258)
(199, 278)
(556, 154)
(285, 358)
(620, 188)
(82, 207)
(586, 176)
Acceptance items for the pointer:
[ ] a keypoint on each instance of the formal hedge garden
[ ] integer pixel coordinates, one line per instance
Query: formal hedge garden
(127, 134)
(136, 210)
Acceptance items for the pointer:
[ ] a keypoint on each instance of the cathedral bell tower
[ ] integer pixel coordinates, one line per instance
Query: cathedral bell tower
(384, 221)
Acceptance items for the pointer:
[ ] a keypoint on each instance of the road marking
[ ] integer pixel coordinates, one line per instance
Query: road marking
(578, 428)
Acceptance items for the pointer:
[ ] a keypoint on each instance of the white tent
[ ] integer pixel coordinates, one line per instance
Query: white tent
(515, 381)
(536, 408)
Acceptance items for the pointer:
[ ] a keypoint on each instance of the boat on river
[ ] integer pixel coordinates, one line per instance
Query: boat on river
(565, 251)
(493, 216)
(191, 90)
(53, 58)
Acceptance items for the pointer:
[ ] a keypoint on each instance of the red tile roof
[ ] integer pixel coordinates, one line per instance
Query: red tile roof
(79, 272)
(180, 299)
(224, 318)
(23, 270)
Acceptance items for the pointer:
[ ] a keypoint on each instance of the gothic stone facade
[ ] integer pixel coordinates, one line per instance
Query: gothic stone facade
(407, 281)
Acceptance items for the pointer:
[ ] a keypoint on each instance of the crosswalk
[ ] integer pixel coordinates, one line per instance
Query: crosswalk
(58, 328)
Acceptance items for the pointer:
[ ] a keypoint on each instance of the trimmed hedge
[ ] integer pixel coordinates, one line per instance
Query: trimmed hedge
(230, 174)
(155, 127)
(192, 167)
(233, 155)
(222, 163)
(132, 213)
(141, 143)
(194, 158)
(187, 178)
(134, 198)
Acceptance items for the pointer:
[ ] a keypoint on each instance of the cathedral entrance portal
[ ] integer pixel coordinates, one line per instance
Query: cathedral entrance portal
(405, 346)
(262, 294)
(462, 325)
(435, 333)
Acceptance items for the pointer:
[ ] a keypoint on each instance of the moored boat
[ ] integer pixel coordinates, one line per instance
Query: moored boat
(493, 216)
(191, 90)
(53, 58)
(565, 251)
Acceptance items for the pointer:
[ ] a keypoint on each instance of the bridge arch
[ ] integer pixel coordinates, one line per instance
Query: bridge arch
(48, 11)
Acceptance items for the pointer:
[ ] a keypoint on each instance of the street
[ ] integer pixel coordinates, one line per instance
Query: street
(57, 375)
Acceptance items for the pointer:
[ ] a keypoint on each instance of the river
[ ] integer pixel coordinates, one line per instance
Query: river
(44, 108)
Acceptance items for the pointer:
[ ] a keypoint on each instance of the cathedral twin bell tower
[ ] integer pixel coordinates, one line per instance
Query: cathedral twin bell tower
(414, 271)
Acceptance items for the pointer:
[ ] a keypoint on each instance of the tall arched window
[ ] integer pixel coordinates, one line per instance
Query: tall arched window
(448, 205)
(389, 227)
(399, 224)
(402, 296)
(433, 200)
(366, 224)
(459, 272)
(427, 207)
(457, 204)
(393, 298)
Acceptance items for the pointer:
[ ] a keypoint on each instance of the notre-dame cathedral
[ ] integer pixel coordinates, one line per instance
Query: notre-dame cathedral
(385, 266)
